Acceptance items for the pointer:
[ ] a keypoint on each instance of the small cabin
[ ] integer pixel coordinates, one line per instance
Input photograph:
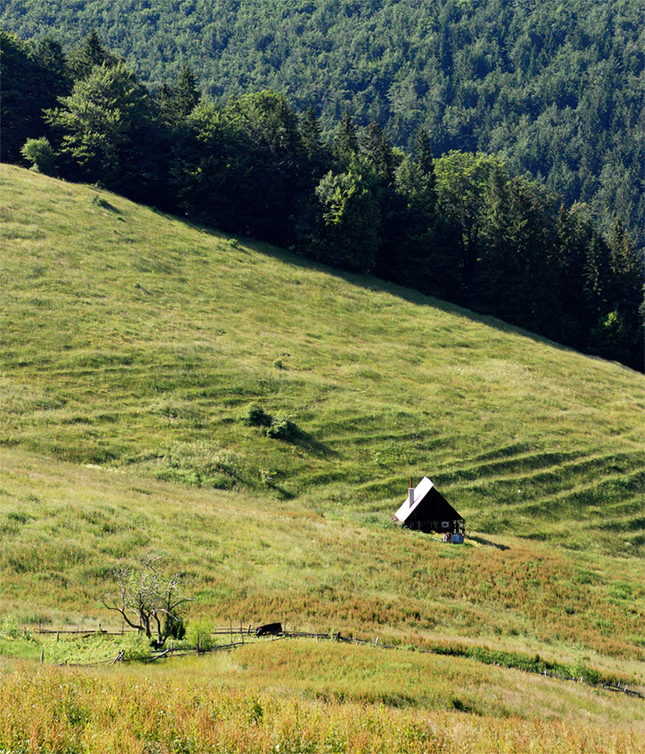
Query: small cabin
(427, 510)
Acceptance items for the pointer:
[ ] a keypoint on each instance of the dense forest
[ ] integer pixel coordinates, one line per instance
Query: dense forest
(555, 89)
(460, 226)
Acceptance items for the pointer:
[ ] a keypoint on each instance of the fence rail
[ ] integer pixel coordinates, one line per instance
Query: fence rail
(622, 690)
(79, 631)
(248, 630)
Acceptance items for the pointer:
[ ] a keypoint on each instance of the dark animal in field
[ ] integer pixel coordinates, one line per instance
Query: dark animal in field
(269, 629)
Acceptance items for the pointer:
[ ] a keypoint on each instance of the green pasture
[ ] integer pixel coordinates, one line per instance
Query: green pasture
(136, 347)
(136, 341)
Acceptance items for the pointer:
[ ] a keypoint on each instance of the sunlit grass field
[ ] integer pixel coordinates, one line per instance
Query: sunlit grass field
(302, 699)
(135, 341)
(133, 344)
(255, 560)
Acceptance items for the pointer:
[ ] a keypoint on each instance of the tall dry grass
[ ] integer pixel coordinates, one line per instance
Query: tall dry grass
(59, 710)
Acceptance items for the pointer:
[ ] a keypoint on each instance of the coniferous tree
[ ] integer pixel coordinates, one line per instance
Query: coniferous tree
(423, 150)
(316, 155)
(345, 144)
(311, 134)
(626, 292)
(187, 95)
(415, 258)
(573, 234)
(89, 54)
(378, 154)
(50, 56)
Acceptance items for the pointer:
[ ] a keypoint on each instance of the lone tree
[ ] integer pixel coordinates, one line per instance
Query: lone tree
(149, 600)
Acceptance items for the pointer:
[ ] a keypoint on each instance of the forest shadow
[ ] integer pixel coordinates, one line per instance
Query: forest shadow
(370, 282)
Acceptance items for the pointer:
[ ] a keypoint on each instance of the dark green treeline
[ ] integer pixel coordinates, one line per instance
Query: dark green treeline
(459, 227)
(555, 87)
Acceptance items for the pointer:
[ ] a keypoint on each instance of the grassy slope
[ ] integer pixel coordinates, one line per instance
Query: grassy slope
(133, 341)
(213, 705)
(258, 560)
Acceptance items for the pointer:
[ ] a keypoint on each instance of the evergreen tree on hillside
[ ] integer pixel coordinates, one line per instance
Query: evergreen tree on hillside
(380, 162)
(423, 150)
(425, 161)
(345, 144)
(187, 95)
(573, 234)
(49, 54)
(614, 284)
(88, 55)
(414, 257)
(517, 271)
(316, 153)
(378, 154)
(176, 103)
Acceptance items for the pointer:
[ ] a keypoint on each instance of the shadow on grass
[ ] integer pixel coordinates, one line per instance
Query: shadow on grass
(99, 201)
(282, 492)
(369, 282)
(311, 445)
(488, 543)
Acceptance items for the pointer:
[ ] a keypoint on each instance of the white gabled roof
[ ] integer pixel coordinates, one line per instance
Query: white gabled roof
(420, 491)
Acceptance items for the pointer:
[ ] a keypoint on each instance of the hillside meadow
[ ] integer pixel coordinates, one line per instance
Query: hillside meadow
(134, 346)
(255, 560)
(135, 341)
(303, 701)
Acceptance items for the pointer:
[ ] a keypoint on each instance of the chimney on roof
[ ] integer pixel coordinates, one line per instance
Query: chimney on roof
(411, 494)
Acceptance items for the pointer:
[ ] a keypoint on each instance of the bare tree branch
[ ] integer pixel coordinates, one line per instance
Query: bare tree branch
(147, 597)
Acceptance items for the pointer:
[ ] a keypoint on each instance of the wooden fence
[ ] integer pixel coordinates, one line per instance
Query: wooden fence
(243, 631)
